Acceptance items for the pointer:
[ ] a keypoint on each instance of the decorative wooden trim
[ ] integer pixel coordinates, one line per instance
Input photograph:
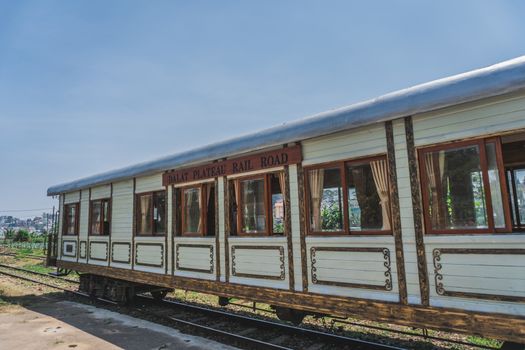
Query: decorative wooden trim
(88, 238)
(417, 213)
(227, 228)
(98, 242)
(396, 213)
(64, 241)
(80, 250)
(168, 229)
(179, 267)
(493, 325)
(113, 244)
(259, 247)
(302, 226)
(110, 213)
(386, 263)
(217, 240)
(79, 214)
(259, 161)
(133, 224)
(149, 244)
(438, 276)
(288, 226)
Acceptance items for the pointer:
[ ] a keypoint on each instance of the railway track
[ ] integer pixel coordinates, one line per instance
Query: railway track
(235, 328)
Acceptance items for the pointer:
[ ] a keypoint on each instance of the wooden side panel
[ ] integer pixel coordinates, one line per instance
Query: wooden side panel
(98, 251)
(69, 249)
(470, 120)
(222, 226)
(149, 254)
(480, 273)
(362, 267)
(364, 141)
(103, 191)
(82, 253)
(169, 234)
(72, 197)
(261, 261)
(406, 210)
(195, 257)
(122, 211)
(121, 254)
(296, 227)
(149, 183)
(84, 221)
(60, 224)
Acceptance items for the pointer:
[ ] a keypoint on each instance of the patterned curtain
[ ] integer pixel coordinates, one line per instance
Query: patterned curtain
(380, 175)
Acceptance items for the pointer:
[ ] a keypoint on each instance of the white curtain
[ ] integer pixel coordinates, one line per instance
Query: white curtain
(199, 199)
(434, 180)
(316, 182)
(144, 208)
(380, 174)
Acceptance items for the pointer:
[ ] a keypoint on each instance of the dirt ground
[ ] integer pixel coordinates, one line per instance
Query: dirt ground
(36, 318)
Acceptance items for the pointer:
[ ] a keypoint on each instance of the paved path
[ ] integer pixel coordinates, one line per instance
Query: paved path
(49, 324)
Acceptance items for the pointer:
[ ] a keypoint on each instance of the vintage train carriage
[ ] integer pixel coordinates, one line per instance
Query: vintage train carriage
(408, 208)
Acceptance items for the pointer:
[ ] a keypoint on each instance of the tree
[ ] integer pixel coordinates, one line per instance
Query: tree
(9, 233)
(21, 236)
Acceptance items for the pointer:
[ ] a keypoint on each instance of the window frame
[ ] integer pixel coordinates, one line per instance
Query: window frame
(481, 143)
(203, 213)
(110, 207)
(267, 206)
(151, 234)
(342, 166)
(65, 220)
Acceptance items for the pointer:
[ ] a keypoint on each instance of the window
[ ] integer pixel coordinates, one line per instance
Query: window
(462, 187)
(198, 210)
(70, 219)
(349, 197)
(100, 215)
(150, 213)
(258, 205)
(516, 180)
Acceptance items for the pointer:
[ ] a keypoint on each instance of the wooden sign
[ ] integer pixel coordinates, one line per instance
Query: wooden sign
(261, 161)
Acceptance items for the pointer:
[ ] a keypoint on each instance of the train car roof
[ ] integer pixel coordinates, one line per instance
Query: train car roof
(498, 79)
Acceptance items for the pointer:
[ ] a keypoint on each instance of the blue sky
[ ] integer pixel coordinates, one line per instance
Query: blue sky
(89, 86)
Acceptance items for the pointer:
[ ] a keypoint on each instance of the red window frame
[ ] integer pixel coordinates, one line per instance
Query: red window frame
(203, 214)
(66, 219)
(152, 220)
(267, 206)
(102, 217)
(342, 166)
(481, 143)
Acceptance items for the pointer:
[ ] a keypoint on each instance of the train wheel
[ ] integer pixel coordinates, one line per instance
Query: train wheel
(290, 315)
(159, 294)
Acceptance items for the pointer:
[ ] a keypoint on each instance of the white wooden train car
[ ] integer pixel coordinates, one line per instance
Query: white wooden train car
(408, 208)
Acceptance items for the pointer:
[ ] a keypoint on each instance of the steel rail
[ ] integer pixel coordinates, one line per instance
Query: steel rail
(38, 273)
(459, 342)
(328, 337)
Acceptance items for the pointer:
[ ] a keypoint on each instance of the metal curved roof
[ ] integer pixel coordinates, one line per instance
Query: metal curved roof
(498, 79)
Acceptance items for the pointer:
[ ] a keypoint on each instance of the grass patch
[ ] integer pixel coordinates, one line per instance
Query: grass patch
(38, 268)
(484, 341)
(24, 252)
